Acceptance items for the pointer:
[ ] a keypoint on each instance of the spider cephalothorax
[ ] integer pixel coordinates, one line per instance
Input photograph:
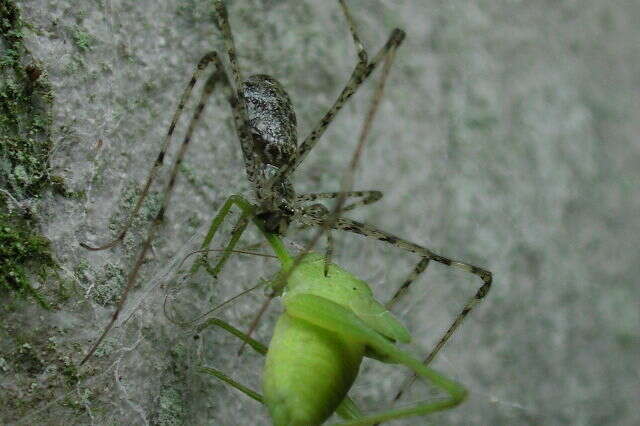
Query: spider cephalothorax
(271, 121)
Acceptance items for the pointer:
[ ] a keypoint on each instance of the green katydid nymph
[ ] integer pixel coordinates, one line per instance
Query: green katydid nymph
(328, 325)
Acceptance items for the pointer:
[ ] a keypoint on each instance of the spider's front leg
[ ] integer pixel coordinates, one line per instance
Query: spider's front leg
(361, 72)
(203, 63)
(320, 217)
(367, 197)
(218, 76)
(238, 106)
(427, 255)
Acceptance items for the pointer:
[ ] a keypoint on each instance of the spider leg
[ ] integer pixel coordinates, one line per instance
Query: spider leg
(202, 64)
(373, 232)
(362, 70)
(368, 197)
(347, 180)
(482, 292)
(319, 217)
(238, 102)
(328, 255)
(218, 75)
(223, 21)
(386, 54)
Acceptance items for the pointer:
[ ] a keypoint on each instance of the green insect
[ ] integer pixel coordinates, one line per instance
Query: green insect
(329, 324)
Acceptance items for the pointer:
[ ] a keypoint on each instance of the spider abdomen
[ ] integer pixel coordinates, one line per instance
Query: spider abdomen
(271, 120)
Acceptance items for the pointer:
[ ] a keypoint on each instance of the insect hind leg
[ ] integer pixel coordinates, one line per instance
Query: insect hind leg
(257, 346)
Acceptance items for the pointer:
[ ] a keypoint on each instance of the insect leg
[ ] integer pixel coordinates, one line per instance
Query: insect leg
(257, 346)
(452, 328)
(333, 317)
(228, 380)
(238, 229)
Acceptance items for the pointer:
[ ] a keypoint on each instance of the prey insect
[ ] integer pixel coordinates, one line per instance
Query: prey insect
(266, 127)
(330, 322)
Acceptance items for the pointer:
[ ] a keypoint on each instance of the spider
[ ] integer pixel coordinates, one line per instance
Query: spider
(266, 127)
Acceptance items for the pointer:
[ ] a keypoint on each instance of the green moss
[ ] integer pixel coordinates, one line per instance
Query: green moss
(171, 407)
(25, 146)
(39, 359)
(25, 101)
(106, 348)
(36, 356)
(82, 39)
(22, 249)
(69, 372)
(109, 285)
(28, 361)
(174, 395)
(25, 118)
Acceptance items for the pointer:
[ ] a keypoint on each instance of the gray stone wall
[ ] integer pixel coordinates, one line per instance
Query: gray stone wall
(508, 137)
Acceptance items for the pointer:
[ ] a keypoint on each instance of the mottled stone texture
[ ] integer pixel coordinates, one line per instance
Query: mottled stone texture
(508, 138)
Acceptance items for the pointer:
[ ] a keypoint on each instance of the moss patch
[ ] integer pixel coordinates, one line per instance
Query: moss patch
(82, 39)
(37, 358)
(171, 408)
(25, 113)
(22, 250)
(25, 145)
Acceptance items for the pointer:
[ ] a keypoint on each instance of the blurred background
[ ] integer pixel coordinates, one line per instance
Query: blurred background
(507, 138)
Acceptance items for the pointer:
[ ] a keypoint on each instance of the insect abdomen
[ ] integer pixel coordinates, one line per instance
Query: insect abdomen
(308, 372)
